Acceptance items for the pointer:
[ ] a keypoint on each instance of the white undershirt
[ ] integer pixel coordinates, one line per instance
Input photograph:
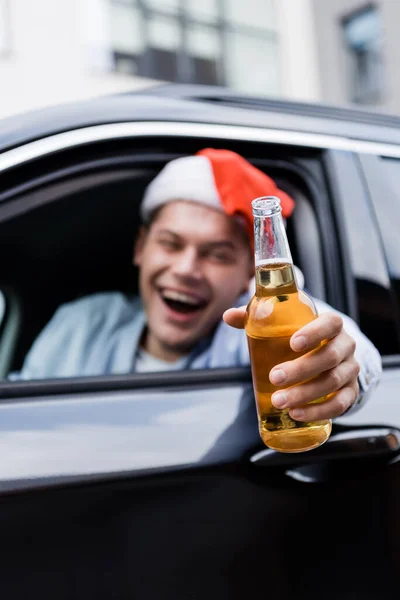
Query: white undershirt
(146, 363)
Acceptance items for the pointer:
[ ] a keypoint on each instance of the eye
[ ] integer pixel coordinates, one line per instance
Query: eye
(222, 257)
(169, 244)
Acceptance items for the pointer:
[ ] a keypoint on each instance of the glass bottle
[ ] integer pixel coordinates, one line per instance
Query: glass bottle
(277, 310)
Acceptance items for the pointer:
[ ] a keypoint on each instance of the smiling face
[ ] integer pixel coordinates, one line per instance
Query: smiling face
(194, 263)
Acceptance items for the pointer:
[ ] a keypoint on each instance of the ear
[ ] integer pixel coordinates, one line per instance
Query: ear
(139, 246)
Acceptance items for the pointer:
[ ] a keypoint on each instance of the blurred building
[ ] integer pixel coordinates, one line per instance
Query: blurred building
(358, 49)
(54, 51)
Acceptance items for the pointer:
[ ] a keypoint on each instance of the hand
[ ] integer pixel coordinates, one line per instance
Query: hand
(332, 366)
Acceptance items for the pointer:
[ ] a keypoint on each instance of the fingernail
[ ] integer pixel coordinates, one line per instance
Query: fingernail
(297, 413)
(279, 400)
(299, 343)
(277, 376)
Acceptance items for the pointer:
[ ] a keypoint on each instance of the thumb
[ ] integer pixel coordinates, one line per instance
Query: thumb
(235, 317)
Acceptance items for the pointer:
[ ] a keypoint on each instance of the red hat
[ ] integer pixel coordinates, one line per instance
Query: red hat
(221, 179)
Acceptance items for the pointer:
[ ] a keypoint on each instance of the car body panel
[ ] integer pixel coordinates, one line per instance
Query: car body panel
(197, 104)
(76, 437)
(116, 433)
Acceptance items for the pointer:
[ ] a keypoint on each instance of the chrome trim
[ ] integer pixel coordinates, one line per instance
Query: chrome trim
(86, 135)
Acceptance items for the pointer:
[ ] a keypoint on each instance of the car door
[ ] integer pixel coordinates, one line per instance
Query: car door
(159, 487)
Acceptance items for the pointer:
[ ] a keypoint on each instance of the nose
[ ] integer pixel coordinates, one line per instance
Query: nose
(187, 264)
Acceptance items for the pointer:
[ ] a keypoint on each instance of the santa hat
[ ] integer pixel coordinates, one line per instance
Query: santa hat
(220, 179)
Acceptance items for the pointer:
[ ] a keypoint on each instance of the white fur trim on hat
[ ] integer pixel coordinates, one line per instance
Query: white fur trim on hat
(190, 178)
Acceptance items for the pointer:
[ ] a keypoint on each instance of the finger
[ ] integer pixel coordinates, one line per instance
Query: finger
(331, 381)
(330, 409)
(325, 327)
(313, 363)
(235, 317)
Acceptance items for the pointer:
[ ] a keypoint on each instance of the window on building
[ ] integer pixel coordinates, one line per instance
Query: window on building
(204, 54)
(213, 42)
(163, 47)
(4, 27)
(127, 37)
(363, 37)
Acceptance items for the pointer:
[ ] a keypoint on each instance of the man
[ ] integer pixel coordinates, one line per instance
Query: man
(195, 260)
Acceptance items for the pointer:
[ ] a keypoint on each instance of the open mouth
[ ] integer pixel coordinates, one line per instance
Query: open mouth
(182, 303)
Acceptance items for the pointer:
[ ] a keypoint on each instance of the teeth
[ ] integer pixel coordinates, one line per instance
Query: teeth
(172, 295)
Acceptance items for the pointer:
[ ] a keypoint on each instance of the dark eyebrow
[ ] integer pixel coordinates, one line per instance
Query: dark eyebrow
(208, 246)
(169, 232)
(220, 244)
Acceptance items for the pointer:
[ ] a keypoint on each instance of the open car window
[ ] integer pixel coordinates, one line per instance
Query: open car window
(69, 238)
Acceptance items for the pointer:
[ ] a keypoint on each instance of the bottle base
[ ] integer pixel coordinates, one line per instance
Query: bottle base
(300, 439)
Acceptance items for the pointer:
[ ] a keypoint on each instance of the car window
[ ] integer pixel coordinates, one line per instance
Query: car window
(386, 199)
(377, 314)
(389, 215)
(70, 267)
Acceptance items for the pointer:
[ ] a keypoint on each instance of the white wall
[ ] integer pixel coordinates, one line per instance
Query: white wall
(299, 69)
(51, 57)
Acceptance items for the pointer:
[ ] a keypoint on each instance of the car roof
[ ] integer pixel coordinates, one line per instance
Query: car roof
(200, 104)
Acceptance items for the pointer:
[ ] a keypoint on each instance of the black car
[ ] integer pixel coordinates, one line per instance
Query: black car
(158, 486)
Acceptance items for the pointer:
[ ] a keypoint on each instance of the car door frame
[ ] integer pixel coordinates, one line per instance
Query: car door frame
(72, 139)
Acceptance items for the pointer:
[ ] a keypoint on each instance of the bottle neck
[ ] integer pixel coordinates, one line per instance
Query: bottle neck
(270, 241)
(273, 261)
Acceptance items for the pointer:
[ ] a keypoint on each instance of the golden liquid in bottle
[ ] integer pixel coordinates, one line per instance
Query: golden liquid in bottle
(273, 315)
